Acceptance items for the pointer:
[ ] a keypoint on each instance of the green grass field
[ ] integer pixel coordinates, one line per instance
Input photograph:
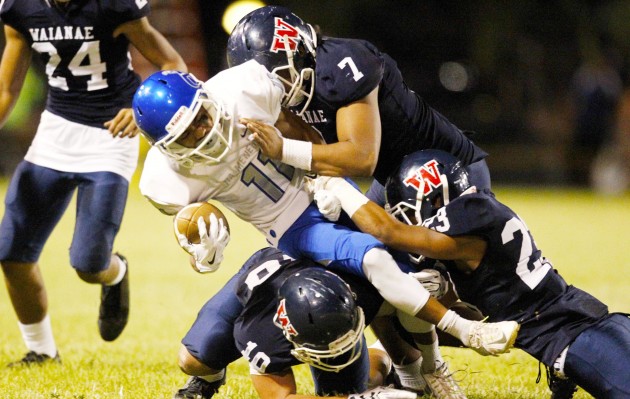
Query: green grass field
(584, 235)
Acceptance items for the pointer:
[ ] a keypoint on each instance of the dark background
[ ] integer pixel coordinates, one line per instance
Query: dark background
(544, 80)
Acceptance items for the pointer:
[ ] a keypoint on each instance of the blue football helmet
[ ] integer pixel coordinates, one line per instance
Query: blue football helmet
(166, 104)
(424, 182)
(318, 315)
(284, 44)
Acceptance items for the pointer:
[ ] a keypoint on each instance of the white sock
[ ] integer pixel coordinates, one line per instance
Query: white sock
(212, 377)
(38, 337)
(411, 375)
(456, 325)
(122, 269)
(431, 356)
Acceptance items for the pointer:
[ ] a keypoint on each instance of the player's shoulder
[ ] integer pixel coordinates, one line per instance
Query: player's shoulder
(14, 12)
(249, 90)
(472, 213)
(347, 69)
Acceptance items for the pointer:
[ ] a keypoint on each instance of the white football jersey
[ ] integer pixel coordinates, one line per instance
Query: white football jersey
(264, 192)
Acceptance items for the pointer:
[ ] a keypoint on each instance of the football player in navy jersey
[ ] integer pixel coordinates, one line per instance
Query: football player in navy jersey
(495, 265)
(353, 94)
(296, 311)
(86, 142)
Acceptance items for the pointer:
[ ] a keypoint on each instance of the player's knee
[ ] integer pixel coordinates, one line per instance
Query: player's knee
(191, 365)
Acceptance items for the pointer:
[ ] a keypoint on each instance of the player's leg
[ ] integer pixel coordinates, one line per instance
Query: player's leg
(36, 199)
(101, 200)
(598, 360)
(206, 352)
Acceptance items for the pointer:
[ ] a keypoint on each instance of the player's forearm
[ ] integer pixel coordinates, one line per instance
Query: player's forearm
(342, 159)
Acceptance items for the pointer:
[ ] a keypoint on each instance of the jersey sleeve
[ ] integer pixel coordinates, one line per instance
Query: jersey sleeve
(471, 214)
(11, 14)
(162, 185)
(347, 70)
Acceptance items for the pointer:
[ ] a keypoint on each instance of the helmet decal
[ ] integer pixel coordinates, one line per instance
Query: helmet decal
(281, 319)
(427, 176)
(284, 35)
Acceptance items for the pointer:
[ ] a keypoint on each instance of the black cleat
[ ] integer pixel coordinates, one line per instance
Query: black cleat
(561, 388)
(197, 388)
(114, 311)
(35, 359)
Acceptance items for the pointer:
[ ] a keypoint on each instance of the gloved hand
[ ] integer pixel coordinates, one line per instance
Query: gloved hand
(384, 393)
(433, 281)
(328, 204)
(208, 254)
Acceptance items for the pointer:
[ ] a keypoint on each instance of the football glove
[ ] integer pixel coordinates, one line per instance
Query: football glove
(433, 281)
(328, 204)
(384, 393)
(208, 254)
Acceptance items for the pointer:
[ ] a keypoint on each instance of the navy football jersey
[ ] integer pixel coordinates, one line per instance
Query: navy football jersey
(514, 281)
(260, 341)
(348, 70)
(89, 71)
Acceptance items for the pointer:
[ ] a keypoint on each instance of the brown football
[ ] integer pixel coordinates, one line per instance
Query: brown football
(186, 219)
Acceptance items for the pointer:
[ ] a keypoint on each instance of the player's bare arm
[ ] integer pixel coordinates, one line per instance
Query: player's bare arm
(359, 133)
(356, 152)
(16, 60)
(155, 48)
(374, 220)
(290, 126)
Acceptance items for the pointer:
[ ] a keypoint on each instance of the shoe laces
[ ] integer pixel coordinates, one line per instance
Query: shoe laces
(443, 384)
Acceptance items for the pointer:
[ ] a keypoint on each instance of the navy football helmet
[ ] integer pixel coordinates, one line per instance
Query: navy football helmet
(166, 104)
(424, 182)
(284, 44)
(318, 315)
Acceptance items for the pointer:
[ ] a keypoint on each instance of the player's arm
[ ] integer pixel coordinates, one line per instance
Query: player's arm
(152, 44)
(16, 60)
(359, 141)
(155, 48)
(374, 220)
(355, 154)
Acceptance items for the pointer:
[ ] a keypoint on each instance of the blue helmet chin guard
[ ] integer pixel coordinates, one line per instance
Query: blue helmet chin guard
(165, 105)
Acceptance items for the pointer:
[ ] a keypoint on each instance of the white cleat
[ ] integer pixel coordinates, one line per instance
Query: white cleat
(492, 338)
(442, 385)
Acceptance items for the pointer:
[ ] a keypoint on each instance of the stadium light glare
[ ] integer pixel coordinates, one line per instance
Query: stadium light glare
(237, 10)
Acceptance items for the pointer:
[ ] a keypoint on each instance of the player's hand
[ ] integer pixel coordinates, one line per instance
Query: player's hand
(328, 204)
(123, 124)
(208, 254)
(384, 393)
(266, 136)
(433, 281)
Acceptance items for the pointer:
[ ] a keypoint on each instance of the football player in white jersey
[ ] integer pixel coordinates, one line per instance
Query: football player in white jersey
(86, 142)
(200, 152)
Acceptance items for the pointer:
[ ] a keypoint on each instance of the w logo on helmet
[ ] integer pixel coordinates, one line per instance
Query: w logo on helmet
(285, 36)
(282, 320)
(427, 176)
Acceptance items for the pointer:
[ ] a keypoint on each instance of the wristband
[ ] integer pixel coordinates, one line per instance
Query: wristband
(297, 153)
(351, 199)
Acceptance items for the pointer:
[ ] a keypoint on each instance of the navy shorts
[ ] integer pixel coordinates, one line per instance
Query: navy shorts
(35, 201)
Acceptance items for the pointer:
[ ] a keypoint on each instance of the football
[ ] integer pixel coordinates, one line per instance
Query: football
(186, 219)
